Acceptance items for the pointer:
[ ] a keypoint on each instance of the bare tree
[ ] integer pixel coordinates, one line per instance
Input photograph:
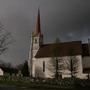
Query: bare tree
(58, 64)
(24, 69)
(54, 62)
(72, 63)
(5, 39)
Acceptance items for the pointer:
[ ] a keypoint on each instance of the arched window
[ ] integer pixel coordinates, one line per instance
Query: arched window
(43, 66)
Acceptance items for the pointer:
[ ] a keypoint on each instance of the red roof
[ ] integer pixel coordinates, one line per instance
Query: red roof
(60, 49)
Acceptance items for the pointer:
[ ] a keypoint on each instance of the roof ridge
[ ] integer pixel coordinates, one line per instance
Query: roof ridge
(60, 42)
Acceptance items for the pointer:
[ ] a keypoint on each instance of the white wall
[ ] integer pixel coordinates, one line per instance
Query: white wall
(86, 62)
(49, 66)
(1, 72)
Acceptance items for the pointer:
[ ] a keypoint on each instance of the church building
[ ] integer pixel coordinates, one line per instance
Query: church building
(62, 58)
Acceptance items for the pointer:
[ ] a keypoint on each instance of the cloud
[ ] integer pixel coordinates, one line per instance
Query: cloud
(66, 19)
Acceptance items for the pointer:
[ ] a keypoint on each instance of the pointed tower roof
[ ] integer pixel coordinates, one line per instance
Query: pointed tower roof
(38, 26)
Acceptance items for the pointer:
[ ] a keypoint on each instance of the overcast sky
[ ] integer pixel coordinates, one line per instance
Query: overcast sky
(66, 19)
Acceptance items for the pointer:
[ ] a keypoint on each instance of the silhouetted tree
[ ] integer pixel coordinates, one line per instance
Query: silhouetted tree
(55, 60)
(24, 69)
(59, 64)
(73, 63)
(8, 68)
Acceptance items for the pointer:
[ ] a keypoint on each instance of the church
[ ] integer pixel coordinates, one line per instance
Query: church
(64, 58)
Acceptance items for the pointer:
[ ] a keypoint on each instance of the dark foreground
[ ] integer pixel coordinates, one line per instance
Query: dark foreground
(24, 88)
(27, 84)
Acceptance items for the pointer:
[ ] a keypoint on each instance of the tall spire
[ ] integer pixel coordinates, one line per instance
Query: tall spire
(38, 26)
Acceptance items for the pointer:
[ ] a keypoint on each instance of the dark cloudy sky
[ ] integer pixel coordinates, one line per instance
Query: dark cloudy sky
(66, 19)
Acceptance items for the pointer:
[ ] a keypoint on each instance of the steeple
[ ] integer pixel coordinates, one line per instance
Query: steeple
(37, 35)
(36, 43)
(38, 26)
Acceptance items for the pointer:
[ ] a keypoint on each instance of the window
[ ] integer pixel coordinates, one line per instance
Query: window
(35, 40)
(43, 66)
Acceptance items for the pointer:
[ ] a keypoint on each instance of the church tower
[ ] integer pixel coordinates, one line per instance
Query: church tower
(36, 42)
(37, 36)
